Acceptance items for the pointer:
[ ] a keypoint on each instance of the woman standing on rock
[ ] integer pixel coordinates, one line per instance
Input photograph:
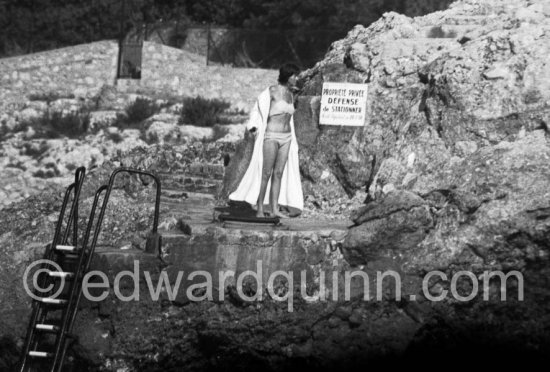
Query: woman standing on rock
(273, 176)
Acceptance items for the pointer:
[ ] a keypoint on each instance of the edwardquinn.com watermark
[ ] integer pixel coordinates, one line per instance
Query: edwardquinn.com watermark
(203, 288)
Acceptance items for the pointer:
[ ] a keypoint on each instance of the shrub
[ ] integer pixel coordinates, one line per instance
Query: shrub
(150, 139)
(35, 150)
(116, 137)
(46, 173)
(56, 124)
(219, 131)
(48, 96)
(140, 109)
(437, 32)
(202, 111)
(70, 125)
(121, 121)
(6, 133)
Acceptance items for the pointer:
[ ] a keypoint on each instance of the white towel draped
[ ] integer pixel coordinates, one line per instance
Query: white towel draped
(249, 188)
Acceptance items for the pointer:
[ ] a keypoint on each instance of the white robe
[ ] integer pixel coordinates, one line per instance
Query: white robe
(249, 188)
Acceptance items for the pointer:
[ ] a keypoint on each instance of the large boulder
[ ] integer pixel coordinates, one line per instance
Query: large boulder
(491, 209)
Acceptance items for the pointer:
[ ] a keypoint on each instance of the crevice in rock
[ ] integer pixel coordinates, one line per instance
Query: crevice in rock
(544, 126)
(540, 213)
(476, 251)
(476, 134)
(338, 169)
(370, 180)
(423, 107)
(359, 220)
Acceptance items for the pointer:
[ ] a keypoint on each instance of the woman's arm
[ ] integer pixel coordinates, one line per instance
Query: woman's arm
(254, 119)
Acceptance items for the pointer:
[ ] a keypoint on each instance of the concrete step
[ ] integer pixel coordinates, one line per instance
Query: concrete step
(191, 184)
(207, 170)
(113, 260)
(228, 253)
(198, 177)
(194, 209)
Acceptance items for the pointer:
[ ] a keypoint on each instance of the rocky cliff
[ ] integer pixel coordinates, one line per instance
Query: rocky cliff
(445, 185)
(449, 172)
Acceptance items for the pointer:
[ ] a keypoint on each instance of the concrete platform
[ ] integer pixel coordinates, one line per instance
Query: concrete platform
(299, 245)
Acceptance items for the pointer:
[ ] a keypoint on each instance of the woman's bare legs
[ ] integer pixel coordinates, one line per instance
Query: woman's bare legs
(270, 149)
(278, 168)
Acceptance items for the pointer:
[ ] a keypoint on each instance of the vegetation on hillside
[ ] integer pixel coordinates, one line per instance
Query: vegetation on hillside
(203, 112)
(33, 25)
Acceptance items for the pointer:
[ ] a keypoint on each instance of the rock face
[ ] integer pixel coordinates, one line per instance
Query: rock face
(451, 165)
(446, 186)
(439, 88)
(484, 205)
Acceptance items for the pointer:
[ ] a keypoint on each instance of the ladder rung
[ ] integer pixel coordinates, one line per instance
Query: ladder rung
(53, 301)
(47, 327)
(65, 248)
(40, 354)
(61, 274)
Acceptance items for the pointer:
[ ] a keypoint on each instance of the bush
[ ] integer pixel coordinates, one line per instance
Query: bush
(49, 173)
(56, 124)
(35, 150)
(70, 125)
(140, 109)
(116, 137)
(6, 133)
(48, 96)
(219, 132)
(202, 111)
(437, 32)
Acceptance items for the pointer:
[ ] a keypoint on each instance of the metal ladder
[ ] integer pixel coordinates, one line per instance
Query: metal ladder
(78, 260)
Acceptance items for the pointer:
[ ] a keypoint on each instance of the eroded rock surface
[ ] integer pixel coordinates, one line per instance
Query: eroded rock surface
(449, 176)
(440, 87)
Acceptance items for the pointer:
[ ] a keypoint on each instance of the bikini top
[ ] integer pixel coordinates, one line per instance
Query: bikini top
(281, 107)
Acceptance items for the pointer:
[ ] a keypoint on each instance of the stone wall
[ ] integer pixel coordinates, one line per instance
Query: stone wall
(79, 70)
(182, 73)
(82, 71)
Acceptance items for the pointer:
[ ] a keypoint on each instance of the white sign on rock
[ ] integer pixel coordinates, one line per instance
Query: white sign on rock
(343, 104)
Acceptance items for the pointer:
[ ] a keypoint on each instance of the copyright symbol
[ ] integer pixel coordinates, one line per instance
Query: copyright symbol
(42, 270)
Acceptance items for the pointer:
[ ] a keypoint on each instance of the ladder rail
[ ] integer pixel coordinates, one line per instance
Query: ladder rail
(36, 307)
(59, 225)
(68, 323)
(38, 313)
(108, 194)
(79, 176)
(85, 256)
(69, 315)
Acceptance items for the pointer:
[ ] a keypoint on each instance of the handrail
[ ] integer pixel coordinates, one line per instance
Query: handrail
(76, 290)
(85, 255)
(68, 321)
(109, 189)
(80, 174)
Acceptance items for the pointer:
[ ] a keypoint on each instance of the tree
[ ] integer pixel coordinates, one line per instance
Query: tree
(33, 25)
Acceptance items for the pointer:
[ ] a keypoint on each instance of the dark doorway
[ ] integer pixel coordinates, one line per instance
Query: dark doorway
(129, 66)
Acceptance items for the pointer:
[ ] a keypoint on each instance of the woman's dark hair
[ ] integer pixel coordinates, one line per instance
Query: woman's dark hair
(286, 71)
